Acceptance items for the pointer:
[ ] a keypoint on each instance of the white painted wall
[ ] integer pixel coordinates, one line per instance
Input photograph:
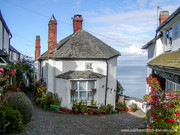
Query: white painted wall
(4, 34)
(112, 81)
(1, 27)
(52, 68)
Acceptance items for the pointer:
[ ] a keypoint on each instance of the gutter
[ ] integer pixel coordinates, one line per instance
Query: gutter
(106, 88)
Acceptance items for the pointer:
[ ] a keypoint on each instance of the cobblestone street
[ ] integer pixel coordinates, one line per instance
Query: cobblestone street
(55, 123)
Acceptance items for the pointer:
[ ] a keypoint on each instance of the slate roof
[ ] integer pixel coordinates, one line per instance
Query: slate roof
(2, 53)
(4, 23)
(82, 45)
(80, 74)
(170, 60)
(13, 49)
(152, 41)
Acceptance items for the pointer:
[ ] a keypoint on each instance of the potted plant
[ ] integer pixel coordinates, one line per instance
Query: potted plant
(109, 108)
(92, 111)
(133, 107)
(76, 110)
(115, 111)
(84, 109)
(56, 102)
(103, 108)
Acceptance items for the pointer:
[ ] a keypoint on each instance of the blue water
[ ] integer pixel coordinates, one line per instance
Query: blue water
(133, 79)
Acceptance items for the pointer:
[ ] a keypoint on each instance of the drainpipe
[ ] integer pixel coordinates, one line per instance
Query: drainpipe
(106, 88)
(9, 43)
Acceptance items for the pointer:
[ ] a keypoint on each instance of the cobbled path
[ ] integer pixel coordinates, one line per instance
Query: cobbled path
(46, 122)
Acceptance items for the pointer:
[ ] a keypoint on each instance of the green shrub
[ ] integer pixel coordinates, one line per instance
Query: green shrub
(103, 108)
(23, 104)
(109, 108)
(10, 115)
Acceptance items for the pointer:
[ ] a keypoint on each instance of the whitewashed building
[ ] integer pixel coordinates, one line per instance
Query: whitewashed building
(79, 67)
(8, 54)
(164, 52)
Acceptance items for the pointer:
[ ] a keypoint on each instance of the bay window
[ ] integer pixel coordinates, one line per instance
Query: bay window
(83, 90)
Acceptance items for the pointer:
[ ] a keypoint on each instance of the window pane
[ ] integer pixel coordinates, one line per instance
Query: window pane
(74, 85)
(82, 95)
(82, 85)
(74, 97)
(91, 85)
(89, 95)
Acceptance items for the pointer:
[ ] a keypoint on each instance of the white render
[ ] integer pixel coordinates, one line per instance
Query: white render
(4, 38)
(161, 45)
(51, 68)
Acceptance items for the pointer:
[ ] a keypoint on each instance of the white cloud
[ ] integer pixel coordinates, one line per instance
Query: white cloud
(135, 51)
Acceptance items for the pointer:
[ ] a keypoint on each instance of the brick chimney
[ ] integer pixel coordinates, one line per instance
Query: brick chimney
(38, 47)
(52, 35)
(77, 22)
(163, 16)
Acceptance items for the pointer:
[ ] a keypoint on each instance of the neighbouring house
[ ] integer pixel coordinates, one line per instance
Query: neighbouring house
(79, 67)
(8, 54)
(164, 52)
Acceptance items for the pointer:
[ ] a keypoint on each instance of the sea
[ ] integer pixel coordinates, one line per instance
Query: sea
(133, 79)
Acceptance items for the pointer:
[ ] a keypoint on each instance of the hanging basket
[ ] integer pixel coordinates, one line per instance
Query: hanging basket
(94, 91)
(73, 92)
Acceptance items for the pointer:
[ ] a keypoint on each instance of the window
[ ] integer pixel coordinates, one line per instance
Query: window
(83, 90)
(89, 66)
(172, 85)
(169, 37)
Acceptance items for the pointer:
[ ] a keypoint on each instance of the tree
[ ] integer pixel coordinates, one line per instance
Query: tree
(119, 91)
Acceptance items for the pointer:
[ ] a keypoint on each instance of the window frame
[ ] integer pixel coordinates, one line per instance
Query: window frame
(86, 90)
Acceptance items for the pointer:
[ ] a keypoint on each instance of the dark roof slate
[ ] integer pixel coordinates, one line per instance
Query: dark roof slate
(13, 49)
(80, 74)
(82, 45)
(152, 41)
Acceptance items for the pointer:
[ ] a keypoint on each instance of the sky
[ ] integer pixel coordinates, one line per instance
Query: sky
(125, 25)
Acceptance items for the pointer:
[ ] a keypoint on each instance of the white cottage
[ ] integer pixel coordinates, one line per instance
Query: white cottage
(164, 52)
(79, 63)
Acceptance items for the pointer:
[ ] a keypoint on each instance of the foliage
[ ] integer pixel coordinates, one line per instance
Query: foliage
(39, 88)
(23, 104)
(10, 115)
(133, 106)
(6, 73)
(23, 67)
(164, 113)
(103, 108)
(109, 108)
(119, 91)
(120, 106)
(93, 104)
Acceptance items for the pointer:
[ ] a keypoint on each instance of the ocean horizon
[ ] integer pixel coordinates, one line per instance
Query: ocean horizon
(133, 79)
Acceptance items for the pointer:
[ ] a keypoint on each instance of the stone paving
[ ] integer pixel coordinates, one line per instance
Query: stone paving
(55, 123)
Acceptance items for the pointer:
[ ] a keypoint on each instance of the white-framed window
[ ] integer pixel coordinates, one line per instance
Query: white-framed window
(172, 85)
(169, 38)
(88, 66)
(83, 89)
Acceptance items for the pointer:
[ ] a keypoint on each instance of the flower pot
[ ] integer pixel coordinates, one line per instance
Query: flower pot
(45, 106)
(76, 112)
(93, 91)
(55, 107)
(91, 113)
(73, 92)
(130, 110)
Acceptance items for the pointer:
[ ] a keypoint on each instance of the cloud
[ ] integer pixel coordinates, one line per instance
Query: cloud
(135, 51)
